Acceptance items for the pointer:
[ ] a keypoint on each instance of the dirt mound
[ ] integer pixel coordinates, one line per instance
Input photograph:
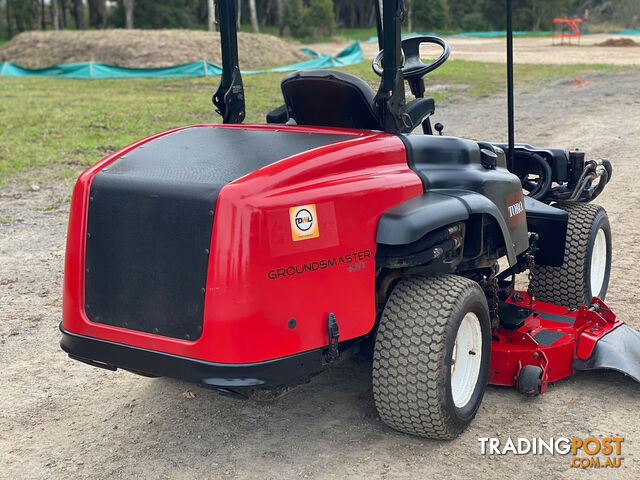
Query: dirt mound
(144, 48)
(618, 42)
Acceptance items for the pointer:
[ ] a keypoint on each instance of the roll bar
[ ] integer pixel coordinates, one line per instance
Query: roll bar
(229, 97)
(390, 99)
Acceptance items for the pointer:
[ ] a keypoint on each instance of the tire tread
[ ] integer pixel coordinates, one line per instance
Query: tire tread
(566, 285)
(408, 384)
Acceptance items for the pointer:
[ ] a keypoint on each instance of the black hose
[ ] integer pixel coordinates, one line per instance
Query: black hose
(594, 169)
(424, 243)
(540, 189)
(420, 258)
(606, 176)
(580, 192)
(604, 179)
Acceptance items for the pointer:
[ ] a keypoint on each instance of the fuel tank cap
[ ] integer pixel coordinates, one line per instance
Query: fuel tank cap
(488, 158)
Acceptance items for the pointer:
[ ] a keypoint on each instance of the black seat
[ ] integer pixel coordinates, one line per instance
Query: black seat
(335, 99)
(331, 99)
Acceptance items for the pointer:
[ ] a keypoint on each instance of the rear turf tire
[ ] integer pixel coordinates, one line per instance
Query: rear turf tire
(587, 260)
(427, 321)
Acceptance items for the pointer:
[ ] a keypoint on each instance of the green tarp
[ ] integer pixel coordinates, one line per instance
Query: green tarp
(497, 33)
(350, 55)
(100, 70)
(500, 33)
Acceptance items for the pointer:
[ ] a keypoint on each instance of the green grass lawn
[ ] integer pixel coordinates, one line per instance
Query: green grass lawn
(57, 127)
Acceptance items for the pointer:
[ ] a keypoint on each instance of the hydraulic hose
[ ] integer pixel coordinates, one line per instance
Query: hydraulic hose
(537, 190)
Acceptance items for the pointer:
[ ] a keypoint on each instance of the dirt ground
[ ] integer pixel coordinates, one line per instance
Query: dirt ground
(63, 419)
(526, 50)
(144, 48)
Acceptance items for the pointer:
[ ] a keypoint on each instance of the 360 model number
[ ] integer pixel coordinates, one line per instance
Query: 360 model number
(354, 267)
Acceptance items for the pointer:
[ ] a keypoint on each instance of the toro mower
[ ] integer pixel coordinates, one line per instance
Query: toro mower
(248, 258)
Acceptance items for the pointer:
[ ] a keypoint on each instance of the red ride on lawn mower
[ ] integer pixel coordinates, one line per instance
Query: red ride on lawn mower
(249, 258)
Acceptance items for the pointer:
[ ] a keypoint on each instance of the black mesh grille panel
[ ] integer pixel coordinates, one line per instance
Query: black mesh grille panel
(150, 221)
(147, 255)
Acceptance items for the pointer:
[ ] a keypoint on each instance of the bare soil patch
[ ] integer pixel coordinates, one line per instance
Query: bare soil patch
(144, 48)
(618, 42)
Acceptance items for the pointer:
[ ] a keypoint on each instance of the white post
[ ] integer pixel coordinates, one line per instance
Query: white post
(128, 9)
(211, 15)
(55, 15)
(254, 16)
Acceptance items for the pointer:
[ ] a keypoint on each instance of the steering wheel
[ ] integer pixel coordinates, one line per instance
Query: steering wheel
(413, 66)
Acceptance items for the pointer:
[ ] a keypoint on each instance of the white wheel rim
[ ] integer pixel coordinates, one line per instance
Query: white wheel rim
(466, 360)
(598, 262)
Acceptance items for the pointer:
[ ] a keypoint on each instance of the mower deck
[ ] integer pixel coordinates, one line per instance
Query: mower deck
(556, 339)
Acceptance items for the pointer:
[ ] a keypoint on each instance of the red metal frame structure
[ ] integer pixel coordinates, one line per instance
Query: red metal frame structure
(550, 337)
(569, 28)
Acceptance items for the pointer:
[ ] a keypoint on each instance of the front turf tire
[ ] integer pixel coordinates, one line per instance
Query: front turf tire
(585, 271)
(413, 360)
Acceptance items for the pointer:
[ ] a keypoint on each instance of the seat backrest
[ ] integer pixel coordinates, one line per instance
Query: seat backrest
(329, 98)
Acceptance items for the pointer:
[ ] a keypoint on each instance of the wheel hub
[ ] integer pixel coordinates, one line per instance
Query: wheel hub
(466, 360)
(598, 262)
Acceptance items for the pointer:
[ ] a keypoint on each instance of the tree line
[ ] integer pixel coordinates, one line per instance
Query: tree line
(303, 18)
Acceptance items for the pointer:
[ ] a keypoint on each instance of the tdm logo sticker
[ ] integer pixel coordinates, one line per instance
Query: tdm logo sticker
(304, 222)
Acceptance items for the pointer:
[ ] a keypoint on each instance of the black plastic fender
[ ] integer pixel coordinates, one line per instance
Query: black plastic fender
(617, 350)
(550, 224)
(409, 221)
